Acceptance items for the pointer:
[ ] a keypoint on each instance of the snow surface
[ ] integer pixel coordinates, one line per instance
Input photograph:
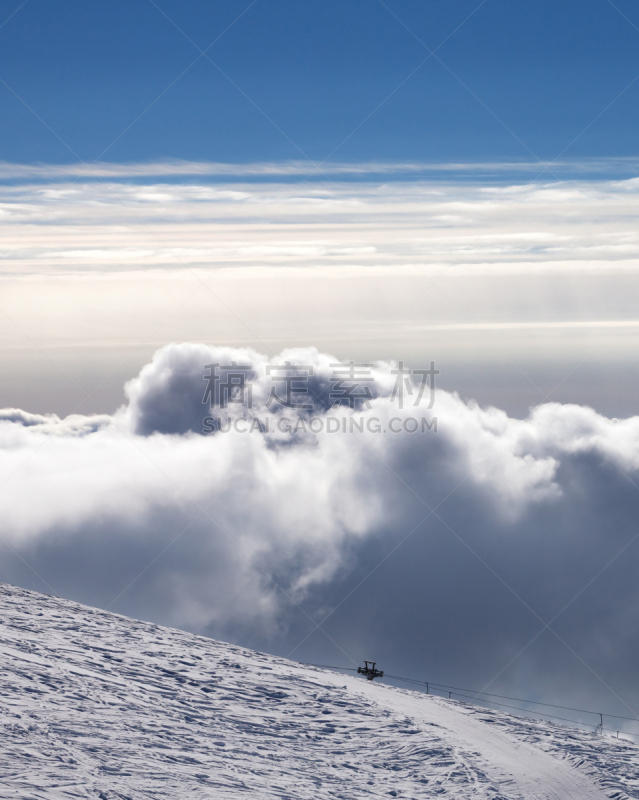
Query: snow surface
(95, 705)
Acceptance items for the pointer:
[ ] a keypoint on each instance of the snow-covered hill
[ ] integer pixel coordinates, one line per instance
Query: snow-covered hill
(96, 705)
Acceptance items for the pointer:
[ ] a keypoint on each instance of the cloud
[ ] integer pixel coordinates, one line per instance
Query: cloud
(432, 267)
(152, 454)
(227, 532)
(284, 169)
(425, 223)
(19, 417)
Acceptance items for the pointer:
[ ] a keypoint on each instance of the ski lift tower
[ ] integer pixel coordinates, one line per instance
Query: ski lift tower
(369, 671)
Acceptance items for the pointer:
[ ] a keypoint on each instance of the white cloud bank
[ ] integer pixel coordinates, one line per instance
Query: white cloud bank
(93, 500)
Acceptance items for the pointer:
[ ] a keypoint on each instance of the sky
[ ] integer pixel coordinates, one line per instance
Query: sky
(282, 80)
(192, 183)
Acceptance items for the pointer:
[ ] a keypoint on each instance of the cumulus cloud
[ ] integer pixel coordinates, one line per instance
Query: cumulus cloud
(232, 530)
(25, 418)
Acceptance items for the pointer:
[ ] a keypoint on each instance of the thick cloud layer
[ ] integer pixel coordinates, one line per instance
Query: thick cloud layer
(486, 526)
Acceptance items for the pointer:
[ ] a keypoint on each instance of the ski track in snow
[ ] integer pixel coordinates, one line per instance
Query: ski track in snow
(95, 705)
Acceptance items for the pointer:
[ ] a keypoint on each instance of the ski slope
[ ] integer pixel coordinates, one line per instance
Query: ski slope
(95, 705)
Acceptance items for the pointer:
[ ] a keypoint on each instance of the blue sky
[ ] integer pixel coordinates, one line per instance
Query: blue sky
(516, 79)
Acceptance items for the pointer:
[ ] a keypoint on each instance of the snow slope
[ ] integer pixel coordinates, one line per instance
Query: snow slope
(101, 706)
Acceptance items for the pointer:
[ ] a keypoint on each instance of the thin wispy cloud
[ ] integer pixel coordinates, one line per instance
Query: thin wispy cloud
(422, 226)
(300, 168)
(451, 266)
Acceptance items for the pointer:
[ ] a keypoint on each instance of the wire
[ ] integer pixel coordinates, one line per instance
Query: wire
(542, 713)
(490, 694)
(473, 695)
(506, 697)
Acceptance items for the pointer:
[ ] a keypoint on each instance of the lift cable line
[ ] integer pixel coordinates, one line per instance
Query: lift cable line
(473, 695)
(539, 713)
(506, 697)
